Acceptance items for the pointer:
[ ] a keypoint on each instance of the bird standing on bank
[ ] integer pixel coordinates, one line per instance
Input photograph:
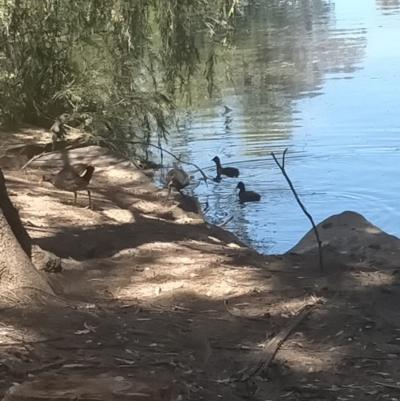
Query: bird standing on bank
(72, 179)
(247, 196)
(58, 130)
(178, 179)
(228, 171)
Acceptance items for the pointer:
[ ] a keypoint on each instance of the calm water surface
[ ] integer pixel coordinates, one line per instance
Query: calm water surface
(321, 78)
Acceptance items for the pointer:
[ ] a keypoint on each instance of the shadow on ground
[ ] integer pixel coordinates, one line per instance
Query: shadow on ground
(185, 301)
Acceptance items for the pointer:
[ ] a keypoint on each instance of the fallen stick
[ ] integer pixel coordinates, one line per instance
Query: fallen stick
(273, 345)
(45, 367)
(392, 386)
(73, 347)
(282, 168)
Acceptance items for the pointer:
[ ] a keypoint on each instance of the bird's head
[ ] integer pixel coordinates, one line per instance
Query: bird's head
(240, 186)
(45, 177)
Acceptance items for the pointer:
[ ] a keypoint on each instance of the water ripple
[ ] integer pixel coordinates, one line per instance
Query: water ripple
(319, 78)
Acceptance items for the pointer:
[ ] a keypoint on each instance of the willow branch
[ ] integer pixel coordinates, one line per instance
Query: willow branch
(282, 168)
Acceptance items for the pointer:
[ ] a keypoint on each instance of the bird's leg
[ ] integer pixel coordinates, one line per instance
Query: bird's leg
(54, 141)
(90, 198)
(75, 196)
(169, 192)
(62, 131)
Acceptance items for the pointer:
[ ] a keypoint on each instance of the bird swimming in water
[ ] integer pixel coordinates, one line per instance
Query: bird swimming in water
(178, 179)
(72, 179)
(228, 171)
(247, 196)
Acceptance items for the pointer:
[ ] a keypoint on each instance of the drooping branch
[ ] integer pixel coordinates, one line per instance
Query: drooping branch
(283, 171)
(169, 153)
(113, 142)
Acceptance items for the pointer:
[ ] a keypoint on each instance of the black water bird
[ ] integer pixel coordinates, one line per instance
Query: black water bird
(228, 171)
(247, 196)
(72, 179)
(178, 179)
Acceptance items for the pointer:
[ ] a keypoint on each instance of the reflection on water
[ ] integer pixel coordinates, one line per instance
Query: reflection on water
(389, 6)
(320, 78)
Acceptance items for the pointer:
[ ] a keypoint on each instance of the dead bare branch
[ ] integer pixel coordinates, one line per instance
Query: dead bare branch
(282, 168)
(272, 346)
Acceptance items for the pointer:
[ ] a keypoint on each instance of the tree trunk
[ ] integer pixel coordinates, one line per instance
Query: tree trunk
(16, 268)
(12, 217)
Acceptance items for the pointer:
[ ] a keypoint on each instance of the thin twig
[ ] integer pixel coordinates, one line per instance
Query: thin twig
(43, 154)
(240, 348)
(224, 223)
(368, 358)
(101, 346)
(282, 168)
(45, 367)
(32, 159)
(392, 386)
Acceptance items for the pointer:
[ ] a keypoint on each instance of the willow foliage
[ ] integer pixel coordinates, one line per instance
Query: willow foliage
(113, 65)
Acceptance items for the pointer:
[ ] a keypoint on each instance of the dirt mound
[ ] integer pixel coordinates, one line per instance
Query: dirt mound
(350, 235)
